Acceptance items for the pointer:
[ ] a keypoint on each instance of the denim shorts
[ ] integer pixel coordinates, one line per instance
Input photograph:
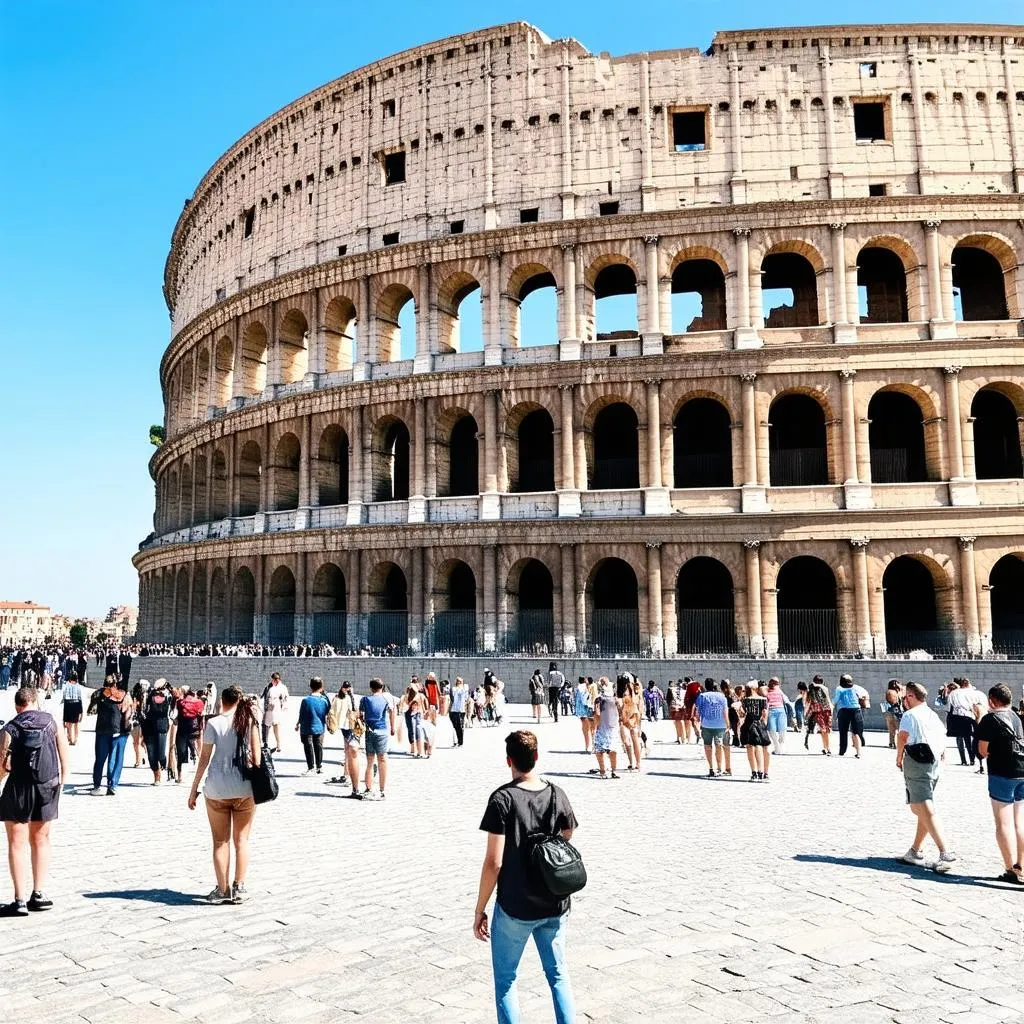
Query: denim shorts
(377, 741)
(1006, 791)
(712, 736)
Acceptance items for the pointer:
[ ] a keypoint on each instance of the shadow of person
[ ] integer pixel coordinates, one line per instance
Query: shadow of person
(168, 897)
(894, 866)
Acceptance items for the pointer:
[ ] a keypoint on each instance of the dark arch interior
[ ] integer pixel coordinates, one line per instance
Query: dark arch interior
(536, 437)
(911, 619)
(789, 291)
(616, 448)
(807, 610)
(615, 622)
(882, 286)
(219, 626)
(462, 589)
(281, 607)
(455, 626)
(464, 456)
(332, 467)
(328, 607)
(797, 442)
(997, 445)
(388, 626)
(704, 607)
(703, 281)
(287, 457)
(615, 279)
(249, 472)
(243, 607)
(535, 283)
(1007, 594)
(702, 447)
(533, 625)
(896, 439)
(393, 484)
(978, 284)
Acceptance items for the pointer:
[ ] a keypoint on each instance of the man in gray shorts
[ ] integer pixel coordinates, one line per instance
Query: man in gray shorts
(378, 713)
(712, 709)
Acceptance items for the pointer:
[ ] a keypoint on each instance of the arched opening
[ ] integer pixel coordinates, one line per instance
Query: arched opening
(698, 297)
(979, 288)
(797, 442)
(396, 324)
(181, 621)
(293, 346)
(460, 315)
(200, 491)
(997, 436)
(285, 480)
(615, 609)
(202, 385)
(536, 315)
(339, 335)
(808, 619)
(911, 612)
(198, 630)
(223, 372)
(881, 286)
(1006, 589)
(328, 604)
(332, 467)
(463, 458)
(185, 395)
(533, 466)
(185, 519)
(616, 447)
(253, 365)
(388, 621)
(249, 471)
(243, 607)
(789, 290)
(219, 607)
(220, 505)
(172, 501)
(455, 623)
(896, 439)
(391, 461)
(281, 607)
(532, 627)
(615, 306)
(702, 445)
(705, 607)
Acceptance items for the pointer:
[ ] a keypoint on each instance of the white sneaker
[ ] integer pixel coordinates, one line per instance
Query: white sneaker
(216, 896)
(97, 791)
(308, 771)
(945, 861)
(913, 857)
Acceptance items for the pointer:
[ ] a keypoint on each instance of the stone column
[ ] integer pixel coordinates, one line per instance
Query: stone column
(745, 336)
(494, 341)
(365, 333)
(941, 326)
(861, 596)
(430, 453)
(656, 496)
(569, 345)
(857, 494)
(490, 500)
(416, 599)
(423, 361)
(969, 593)
(417, 500)
(305, 473)
(354, 599)
(580, 595)
(961, 490)
(490, 556)
(568, 600)
(737, 183)
(568, 494)
(652, 340)
(755, 625)
(303, 626)
(655, 622)
(970, 463)
(317, 343)
(844, 331)
(260, 622)
(356, 480)
(754, 495)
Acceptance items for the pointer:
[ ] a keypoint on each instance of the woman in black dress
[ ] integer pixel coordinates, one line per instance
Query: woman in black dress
(754, 733)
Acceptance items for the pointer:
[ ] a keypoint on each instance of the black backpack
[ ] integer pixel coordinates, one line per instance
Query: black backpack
(553, 863)
(158, 713)
(32, 757)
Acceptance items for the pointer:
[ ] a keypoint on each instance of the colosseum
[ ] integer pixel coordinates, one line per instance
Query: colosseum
(499, 345)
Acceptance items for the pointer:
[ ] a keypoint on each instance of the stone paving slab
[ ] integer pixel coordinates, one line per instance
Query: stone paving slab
(709, 900)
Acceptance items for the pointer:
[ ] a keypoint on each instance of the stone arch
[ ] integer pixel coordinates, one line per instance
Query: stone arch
(454, 623)
(186, 393)
(220, 501)
(249, 479)
(293, 346)
(198, 631)
(798, 445)
(200, 490)
(219, 632)
(340, 334)
(882, 287)
(789, 284)
(328, 604)
(984, 278)
(284, 480)
(459, 314)
(185, 515)
(1006, 594)
(332, 466)
(280, 605)
(223, 371)
(897, 435)
(530, 593)
(390, 459)
(530, 448)
(394, 325)
(612, 444)
(252, 366)
(611, 287)
(532, 289)
(172, 502)
(613, 598)
(705, 607)
(998, 413)
(458, 453)
(202, 381)
(388, 595)
(698, 291)
(917, 600)
(181, 619)
(243, 606)
(702, 443)
(807, 606)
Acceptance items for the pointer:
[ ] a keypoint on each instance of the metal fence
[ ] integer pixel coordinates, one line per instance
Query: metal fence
(798, 467)
(809, 631)
(706, 631)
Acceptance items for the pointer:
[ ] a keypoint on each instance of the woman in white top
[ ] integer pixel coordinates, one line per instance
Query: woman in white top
(229, 802)
(275, 700)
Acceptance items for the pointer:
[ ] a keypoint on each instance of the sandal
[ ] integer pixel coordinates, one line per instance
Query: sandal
(1010, 876)
(602, 775)
(615, 775)
(337, 780)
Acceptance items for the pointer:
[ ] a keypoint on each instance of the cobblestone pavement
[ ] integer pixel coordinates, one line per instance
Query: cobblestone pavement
(709, 900)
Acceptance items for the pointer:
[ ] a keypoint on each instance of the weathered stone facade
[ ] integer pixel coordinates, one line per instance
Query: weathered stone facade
(827, 456)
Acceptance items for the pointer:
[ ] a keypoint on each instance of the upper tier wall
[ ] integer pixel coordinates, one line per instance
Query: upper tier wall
(504, 120)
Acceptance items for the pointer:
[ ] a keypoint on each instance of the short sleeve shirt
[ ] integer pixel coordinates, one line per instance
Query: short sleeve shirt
(998, 728)
(374, 707)
(712, 707)
(515, 813)
(224, 779)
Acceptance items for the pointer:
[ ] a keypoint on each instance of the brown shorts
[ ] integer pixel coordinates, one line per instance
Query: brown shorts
(678, 714)
(236, 805)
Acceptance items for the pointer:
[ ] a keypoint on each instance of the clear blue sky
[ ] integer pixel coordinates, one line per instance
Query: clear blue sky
(112, 112)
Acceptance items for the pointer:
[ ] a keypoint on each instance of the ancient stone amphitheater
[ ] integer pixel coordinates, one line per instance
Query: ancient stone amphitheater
(501, 345)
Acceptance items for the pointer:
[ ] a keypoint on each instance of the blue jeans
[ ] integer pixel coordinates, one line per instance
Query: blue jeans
(509, 936)
(109, 751)
(777, 720)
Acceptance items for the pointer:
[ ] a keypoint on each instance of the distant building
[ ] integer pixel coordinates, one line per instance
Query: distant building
(23, 622)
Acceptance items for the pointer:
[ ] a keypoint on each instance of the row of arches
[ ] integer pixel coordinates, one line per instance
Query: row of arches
(888, 276)
(903, 440)
(917, 602)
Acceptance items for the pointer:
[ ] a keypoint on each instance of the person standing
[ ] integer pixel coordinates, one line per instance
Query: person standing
(849, 702)
(34, 763)
(920, 751)
(378, 715)
(892, 709)
(229, 803)
(819, 714)
(71, 699)
(629, 720)
(712, 709)
(777, 721)
(275, 700)
(1001, 741)
(188, 728)
(675, 698)
(555, 683)
(312, 724)
(537, 694)
(112, 707)
(156, 723)
(457, 712)
(654, 702)
(964, 706)
(347, 711)
(525, 806)
(124, 667)
(585, 712)
(754, 732)
(607, 742)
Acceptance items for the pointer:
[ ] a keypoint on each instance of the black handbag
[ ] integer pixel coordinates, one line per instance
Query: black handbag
(262, 777)
(555, 864)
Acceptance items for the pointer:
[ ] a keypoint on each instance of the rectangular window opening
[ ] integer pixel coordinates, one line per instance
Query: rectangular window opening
(389, 108)
(394, 168)
(530, 215)
(250, 220)
(869, 122)
(869, 69)
(456, 227)
(689, 130)
(877, 190)
(391, 238)
(608, 209)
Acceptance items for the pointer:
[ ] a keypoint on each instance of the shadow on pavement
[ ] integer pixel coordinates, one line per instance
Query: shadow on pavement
(168, 897)
(894, 866)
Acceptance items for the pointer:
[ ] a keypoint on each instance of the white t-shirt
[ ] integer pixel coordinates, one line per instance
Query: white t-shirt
(922, 725)
(223, 780)
(277, 697)
(963, 700)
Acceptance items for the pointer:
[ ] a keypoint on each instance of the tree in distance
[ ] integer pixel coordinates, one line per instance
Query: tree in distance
(79, 634)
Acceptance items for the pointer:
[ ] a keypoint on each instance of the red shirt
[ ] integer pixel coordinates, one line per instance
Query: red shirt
(430, 686)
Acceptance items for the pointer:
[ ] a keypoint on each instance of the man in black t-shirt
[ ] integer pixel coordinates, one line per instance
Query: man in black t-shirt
(523, 806)
(1000, 739)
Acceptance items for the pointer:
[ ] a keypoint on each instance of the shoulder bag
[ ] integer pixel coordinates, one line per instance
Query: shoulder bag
(555, 864)
(262, 777)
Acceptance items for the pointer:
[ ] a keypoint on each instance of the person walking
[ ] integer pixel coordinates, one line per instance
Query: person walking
(526, 806)
(414, 705)
(920, 752)
(312, 724)
(72, 705)
(964, 705)
(188, 728)
(275, 701)
(675, 697)
(819, 714)
(850, 702)
(712, 711)
(228, 737)
(585, 712)
(607, 742)
(754, 732)
(457, 709)
(34, 763)
(378, 716)
(555, 683)
(892, 709)
(112, 707)
(346, 710)
(537, 694)
(629, 720)
(777, 721)
(654, 702)
(156, 723)
(565, 698)
(1001, 742)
